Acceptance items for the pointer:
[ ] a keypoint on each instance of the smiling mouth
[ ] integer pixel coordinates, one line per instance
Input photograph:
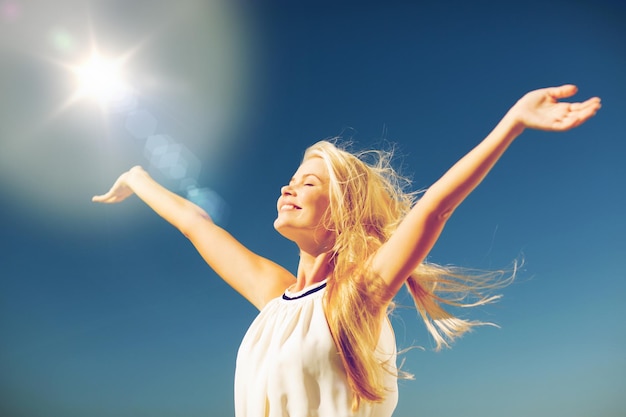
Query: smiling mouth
(286, 207)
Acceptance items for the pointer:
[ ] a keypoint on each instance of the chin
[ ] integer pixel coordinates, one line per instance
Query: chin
(289, 233)
(281, 228)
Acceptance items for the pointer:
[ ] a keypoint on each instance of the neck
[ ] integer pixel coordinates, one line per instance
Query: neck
(312, 269)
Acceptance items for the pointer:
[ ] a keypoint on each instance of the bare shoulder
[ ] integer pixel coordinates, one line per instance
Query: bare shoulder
(271, 282)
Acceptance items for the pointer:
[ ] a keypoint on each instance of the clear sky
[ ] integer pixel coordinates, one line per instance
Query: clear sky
(107, 311)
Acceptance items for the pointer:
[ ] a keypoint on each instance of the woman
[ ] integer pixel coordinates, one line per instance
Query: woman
(322, 344)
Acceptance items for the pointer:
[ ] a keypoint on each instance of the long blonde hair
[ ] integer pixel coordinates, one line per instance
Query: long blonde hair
(367, 203)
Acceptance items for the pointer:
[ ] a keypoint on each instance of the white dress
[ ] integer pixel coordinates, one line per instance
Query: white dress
(288, 365)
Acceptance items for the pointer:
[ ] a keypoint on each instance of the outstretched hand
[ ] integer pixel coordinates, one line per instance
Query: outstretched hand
(120, 190)
(540, 109)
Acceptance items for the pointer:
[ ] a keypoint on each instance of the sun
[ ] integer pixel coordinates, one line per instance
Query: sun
(102, 79)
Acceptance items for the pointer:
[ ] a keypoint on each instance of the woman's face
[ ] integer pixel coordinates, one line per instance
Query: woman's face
(303, 204)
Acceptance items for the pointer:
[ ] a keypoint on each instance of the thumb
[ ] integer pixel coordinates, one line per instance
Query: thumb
(566, 90)
(103, 198)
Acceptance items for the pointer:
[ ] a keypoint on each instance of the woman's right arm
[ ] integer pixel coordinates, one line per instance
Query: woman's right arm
(256, 278)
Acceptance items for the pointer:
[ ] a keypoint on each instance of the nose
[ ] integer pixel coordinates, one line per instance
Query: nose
(287, 190)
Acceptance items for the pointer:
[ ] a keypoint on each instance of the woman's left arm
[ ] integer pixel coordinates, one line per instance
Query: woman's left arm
(418, 232)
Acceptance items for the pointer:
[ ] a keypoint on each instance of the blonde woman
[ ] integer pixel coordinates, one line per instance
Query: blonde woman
(322, 344)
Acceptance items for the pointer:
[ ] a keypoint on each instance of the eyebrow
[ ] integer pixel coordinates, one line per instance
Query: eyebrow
(305, 176)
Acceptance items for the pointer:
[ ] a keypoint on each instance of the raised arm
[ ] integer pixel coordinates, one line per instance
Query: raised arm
(416, 235)
(256, 278)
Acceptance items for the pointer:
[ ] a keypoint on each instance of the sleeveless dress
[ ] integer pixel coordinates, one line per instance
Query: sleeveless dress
(288, 365)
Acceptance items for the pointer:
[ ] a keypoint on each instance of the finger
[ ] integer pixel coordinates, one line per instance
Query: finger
(593, 102)
(574, 119)
(586, 113)
(566, 123)
(563, 91)
(104, 198)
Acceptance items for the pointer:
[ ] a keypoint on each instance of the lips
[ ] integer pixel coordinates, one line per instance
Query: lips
(289, 207)
(286, 205)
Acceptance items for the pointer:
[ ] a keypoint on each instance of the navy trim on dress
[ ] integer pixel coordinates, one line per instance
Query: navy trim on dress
(309, 292)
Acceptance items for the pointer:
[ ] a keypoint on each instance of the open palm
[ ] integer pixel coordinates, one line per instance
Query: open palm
(120, 191)
(540, 109)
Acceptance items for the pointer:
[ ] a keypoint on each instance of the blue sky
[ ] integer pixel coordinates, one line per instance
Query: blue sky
(108, 311)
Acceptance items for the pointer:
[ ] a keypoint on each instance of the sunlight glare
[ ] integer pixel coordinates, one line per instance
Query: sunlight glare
(101, 79)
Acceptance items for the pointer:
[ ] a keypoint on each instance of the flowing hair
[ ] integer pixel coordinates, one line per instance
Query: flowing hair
(367, 203)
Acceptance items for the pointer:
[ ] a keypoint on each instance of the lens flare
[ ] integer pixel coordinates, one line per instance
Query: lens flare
(90, 84)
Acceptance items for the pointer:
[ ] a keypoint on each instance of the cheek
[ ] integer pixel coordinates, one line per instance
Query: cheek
(324, 210)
